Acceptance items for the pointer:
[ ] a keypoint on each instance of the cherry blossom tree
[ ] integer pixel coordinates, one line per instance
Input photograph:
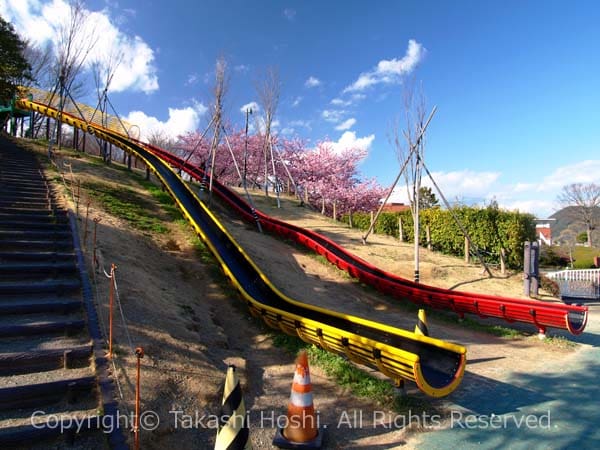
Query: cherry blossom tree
(322, 176)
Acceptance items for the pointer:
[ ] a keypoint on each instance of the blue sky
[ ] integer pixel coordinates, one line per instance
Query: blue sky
(516, 83)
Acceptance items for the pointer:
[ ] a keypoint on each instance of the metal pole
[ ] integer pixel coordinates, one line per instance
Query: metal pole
(111, 297)
(412, 149)
(96, 221)
(417, 230)
(274, 173)
(139, 352)
(248, 111)
(235, 164)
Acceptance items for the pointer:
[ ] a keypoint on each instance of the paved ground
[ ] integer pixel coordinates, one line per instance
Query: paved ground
(557, 407)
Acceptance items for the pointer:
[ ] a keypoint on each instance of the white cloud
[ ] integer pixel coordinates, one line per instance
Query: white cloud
(40, 24)
(333, 115)
(300, 123)
(296, 101)
(390, 71)
(289, 13)
(312, 82)
(192, 79)
(349, 141)
(180, 121)
(262, 126)
(340, 102)
(587, 171)
(464, 184)
(537, 197)
(252, 106)
(346, 125)
(242, 68)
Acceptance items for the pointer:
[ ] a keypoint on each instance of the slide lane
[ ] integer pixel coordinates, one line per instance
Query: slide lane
(436, 366)
(540, 314)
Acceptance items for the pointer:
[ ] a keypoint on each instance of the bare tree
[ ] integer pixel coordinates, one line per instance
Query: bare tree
(268, 90)
(405, 140)
(410, 148)
(585, 198)
(41, 60)
(219, 90)
(161, 139)
(76, 39)
(104, 70)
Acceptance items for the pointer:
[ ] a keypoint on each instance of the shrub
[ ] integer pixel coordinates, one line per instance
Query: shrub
(490, 228)
(549, 285)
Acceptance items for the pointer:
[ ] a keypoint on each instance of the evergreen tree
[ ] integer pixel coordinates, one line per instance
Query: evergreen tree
(14, 67)
(427, 198)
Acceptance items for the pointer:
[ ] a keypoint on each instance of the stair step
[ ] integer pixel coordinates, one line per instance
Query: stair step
(20, 272)
(36, 245)
(12, 363)
(43, 327)
(35, 306)
(35, 234)
(84, 432)
(40, 343)
(58, 286)
(40, 394)
(32, 225)
(59, 217)
(6, 257)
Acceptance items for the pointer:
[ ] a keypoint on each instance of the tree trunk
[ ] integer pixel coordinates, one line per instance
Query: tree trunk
(467, 250)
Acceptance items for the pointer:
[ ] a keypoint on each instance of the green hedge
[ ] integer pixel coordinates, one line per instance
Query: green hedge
(489, 229)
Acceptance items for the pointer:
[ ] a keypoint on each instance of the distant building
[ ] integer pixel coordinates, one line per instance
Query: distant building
(543, 230)
(395, 207)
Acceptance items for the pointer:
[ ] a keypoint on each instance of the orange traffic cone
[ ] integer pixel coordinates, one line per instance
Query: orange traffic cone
(301, 430)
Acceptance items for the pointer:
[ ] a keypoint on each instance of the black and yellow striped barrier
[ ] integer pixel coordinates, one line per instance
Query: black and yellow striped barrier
(421, 326)
(233, 427)
(436, 366)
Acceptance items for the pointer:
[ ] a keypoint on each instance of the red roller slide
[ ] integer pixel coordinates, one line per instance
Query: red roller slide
(538, 313)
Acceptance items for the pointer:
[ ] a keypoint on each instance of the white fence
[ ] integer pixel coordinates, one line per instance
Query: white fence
(577, 284)
(575, 275)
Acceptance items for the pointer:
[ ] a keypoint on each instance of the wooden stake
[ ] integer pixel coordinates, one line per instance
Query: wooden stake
(428, 236)
(400, 229)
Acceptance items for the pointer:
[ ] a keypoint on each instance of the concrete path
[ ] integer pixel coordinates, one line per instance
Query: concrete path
(557, 407)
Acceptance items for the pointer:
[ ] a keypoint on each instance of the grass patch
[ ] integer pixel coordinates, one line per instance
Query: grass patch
(126, 204)
(162, 197)
(583, 257)
(560, 342)
(347, 375)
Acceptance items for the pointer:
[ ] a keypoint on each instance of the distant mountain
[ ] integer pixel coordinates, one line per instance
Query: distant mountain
(567, 225)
